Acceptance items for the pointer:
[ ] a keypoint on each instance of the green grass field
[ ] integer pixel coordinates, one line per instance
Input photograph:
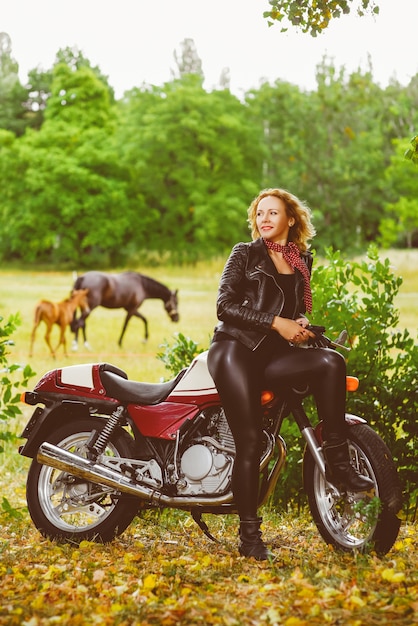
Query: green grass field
(20, 292)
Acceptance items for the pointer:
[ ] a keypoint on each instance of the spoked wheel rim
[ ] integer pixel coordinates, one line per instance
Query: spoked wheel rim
(350, 518)
(72, 503)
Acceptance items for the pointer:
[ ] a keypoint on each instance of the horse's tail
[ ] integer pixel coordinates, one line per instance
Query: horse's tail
(46, 310)
(37, 314)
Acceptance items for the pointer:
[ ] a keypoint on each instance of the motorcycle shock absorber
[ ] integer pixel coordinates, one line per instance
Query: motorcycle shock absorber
(98, 441)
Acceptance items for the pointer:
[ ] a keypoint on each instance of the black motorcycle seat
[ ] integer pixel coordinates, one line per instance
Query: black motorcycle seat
(108, 367)
(133, 392)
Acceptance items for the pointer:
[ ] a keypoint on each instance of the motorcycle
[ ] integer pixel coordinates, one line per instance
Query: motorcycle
(104, 448)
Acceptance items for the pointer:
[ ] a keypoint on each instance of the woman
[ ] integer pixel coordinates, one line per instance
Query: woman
(264, 292)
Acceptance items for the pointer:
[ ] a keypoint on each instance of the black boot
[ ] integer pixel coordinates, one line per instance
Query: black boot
(251, 543)
(340, 472)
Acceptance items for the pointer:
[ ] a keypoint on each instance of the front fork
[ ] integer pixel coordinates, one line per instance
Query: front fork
(312, 436)
(315, 448)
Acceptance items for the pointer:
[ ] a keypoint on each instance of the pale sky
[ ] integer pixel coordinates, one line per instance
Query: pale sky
(133, 41)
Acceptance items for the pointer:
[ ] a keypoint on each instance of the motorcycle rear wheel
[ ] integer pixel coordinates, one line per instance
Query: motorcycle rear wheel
(357, 522)
(67, 508)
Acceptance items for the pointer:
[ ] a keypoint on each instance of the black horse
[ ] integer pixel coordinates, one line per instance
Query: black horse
(126, 290)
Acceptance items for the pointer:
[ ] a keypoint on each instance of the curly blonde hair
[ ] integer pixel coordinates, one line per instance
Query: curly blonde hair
(301, 231)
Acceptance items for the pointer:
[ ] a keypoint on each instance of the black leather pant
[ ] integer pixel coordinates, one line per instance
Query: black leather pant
(239, 374)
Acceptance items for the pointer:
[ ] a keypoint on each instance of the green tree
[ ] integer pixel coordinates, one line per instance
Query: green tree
(399, 112)
(399, 225)
(326, 146)
(65, 197)
(343, 182)
(39, 89)
(189, 161)
(12, 94)
(195, 160)
(78, 97)
(70, 203)
(188, 60)
(40, 81)
(314, 16)
(73, 58)
(284, 117)
(412, 152)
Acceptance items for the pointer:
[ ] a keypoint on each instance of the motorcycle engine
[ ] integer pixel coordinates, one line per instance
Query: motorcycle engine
(206, 465)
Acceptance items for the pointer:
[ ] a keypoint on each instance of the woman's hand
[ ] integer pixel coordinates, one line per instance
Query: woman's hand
(292, 330)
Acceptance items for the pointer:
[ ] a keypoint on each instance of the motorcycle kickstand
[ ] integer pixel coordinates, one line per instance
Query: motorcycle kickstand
(197, 516)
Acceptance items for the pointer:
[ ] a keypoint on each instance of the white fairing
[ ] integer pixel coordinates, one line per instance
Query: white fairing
(79, 375)
(197, 378)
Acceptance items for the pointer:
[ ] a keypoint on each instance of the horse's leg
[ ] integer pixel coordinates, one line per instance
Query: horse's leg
(74, 329)
(81, 324)
(62, 340)
(125, 324)
(128, 317)
(144, 319)
(83, 329)
(32, 339)
(36, 322)
(48, 338)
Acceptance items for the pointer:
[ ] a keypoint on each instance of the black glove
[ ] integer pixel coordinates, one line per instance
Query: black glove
(319, 341)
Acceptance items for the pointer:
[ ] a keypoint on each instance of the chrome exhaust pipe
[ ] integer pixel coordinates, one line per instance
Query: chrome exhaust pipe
(88, 470)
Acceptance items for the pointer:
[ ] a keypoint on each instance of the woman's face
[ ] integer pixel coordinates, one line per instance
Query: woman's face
(271, 219)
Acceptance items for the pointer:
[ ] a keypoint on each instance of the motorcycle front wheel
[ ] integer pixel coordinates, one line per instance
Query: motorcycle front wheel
(67, 508)
(357, 521)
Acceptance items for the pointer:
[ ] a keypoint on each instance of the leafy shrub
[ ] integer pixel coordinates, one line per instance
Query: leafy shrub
(179, 355)
(359, 297)
(9, 396)
(12, 377)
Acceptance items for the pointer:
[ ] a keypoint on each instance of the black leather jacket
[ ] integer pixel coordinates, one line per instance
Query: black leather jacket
(249, 296)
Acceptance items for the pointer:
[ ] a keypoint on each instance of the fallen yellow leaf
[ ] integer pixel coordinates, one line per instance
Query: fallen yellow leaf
(392, 576)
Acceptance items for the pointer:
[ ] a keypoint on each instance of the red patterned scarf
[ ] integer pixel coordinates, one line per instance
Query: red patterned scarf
(291, 254)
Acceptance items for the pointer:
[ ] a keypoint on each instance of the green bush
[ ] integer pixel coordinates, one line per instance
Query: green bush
(178, 355)
(359, 297)
(13, 376)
